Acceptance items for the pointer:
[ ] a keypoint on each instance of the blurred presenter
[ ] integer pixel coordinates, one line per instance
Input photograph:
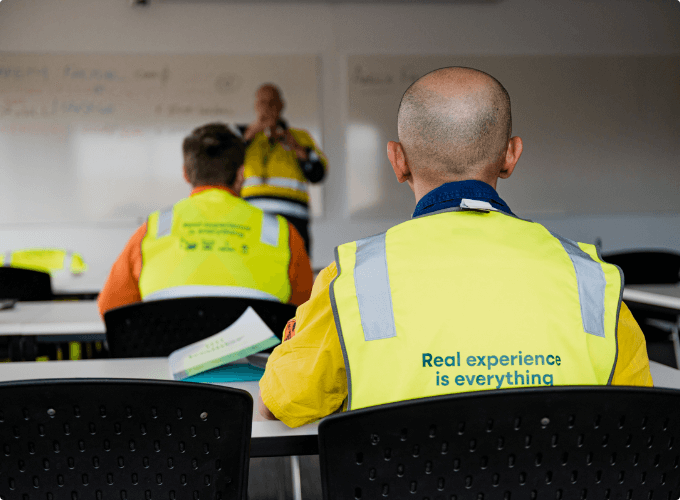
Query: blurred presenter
(279, 162)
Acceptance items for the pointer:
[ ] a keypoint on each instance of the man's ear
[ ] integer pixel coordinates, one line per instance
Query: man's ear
(395, 153)
(512, 154)
(186, 174)
(238, 181)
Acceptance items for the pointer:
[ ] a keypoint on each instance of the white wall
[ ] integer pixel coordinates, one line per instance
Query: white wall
(335, 31)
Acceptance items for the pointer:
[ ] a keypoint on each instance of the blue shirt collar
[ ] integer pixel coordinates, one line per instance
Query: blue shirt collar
(450, 195)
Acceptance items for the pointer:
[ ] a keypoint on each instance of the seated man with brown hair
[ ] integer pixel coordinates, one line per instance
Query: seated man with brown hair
(212, 243)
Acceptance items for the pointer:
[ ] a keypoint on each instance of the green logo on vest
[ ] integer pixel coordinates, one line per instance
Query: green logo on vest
(189, 245)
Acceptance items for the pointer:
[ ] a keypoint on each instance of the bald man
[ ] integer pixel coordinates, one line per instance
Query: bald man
(464, 297)
(280, 162)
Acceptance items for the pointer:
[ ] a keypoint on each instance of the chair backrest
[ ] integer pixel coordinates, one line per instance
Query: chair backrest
(123, 439)
(24, 284)
(554, 443)
(650, 267)
(647, 267)
(159, 327)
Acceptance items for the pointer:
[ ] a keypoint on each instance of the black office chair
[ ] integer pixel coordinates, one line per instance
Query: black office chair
(123, 439)
(159, 327)
(646, 267)
(553, 443)
(24, 284)
(653, 267)
(21, 284)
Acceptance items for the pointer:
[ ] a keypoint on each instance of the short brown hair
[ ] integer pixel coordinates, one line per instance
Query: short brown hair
(212, 155)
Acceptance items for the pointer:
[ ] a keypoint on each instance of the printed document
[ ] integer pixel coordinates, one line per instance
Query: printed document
(247, 335)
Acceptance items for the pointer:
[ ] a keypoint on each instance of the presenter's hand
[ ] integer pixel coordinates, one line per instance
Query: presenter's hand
(261, 124)
(289, 142)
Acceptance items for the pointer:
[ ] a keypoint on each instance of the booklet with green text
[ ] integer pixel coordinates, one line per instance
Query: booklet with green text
(247, 335)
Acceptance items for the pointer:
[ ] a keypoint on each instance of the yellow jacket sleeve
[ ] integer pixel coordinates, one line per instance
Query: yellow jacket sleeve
(632, 363)
(305, 140)
(305, 377)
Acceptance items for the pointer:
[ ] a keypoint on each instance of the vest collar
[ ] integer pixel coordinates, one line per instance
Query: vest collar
(451, 195)
(200, 189)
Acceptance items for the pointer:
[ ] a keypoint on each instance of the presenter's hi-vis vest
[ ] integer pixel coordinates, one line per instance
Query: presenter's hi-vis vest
(47, 260)
(215, 244)
(470, 299)
(272, 171)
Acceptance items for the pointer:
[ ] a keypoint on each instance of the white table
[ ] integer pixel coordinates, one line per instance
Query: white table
(269, 438)
(157, 369)
(64, 318)
(664, 376)
(54, 321)
(68, 284)
(663, 296)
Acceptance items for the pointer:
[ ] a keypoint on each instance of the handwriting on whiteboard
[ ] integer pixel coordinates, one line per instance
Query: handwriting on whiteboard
(128, 89)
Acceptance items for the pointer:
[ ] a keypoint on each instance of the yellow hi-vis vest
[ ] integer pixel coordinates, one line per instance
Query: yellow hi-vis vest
(270, 170)
(215, 244)
(471, 299)
(48, 260)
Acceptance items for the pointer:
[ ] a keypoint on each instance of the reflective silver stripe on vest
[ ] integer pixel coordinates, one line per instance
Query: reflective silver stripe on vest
(209, 291)
(8, 259)
(591, 286)
(253, 181)
(270, 230)
(282, 182)
(282, 207)
(164, 223)
(373, 289)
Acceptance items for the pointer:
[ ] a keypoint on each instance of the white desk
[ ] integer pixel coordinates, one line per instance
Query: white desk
(157, 369)
(65, 283)
(663, 296)
(54, 320)
(664, 376)
(63, 318)
(269, 438)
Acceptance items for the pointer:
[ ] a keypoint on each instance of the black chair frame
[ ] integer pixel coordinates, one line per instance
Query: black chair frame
(123, 439)
(660, 326)
(644, 267)
(24, 284)
(159, 327)
(536, 443)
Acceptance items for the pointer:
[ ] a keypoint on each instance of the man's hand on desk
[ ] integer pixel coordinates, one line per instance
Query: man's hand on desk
(264, 411)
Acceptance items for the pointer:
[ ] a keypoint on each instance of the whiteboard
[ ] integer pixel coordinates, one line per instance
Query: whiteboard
(601, 133)
(97, 137)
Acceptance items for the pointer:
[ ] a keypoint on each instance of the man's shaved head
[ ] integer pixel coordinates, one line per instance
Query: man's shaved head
(269, 90)
(454, 123)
